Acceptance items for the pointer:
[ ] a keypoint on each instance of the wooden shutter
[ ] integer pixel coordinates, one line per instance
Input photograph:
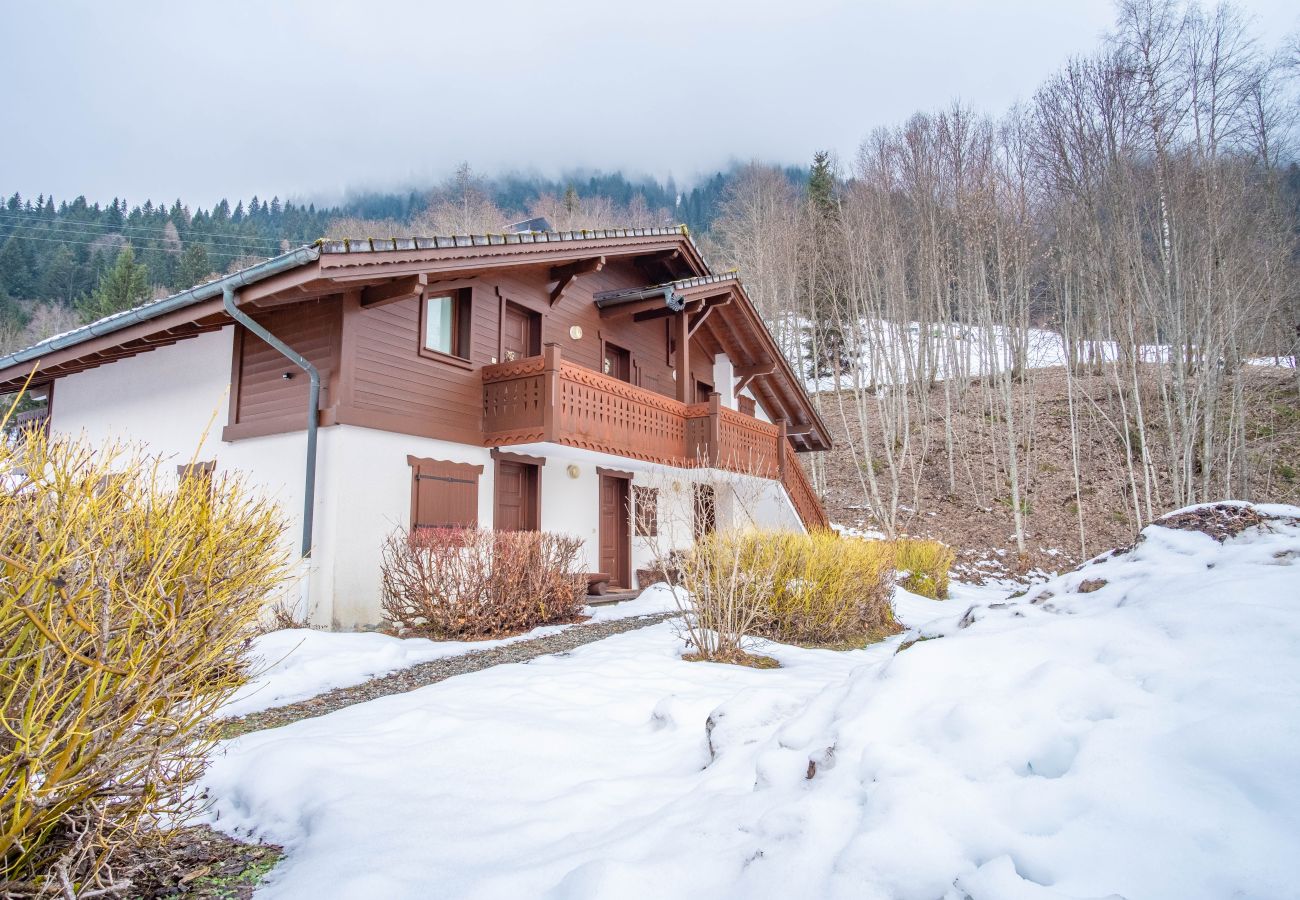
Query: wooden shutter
(443, 494)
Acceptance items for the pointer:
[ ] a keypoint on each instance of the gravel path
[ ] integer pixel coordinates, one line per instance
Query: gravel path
(434, 671)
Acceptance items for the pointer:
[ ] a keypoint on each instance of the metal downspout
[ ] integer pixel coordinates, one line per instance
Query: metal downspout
(313, 405)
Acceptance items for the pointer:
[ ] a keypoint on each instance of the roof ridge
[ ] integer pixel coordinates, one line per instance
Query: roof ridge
(490, 239)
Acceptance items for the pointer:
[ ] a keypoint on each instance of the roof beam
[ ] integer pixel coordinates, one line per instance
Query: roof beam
(397, 289)
(639, 306)
(709, 306)
(566, 275)
(663, 312)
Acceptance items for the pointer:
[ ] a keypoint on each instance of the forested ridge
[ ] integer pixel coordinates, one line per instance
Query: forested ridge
(63, 262)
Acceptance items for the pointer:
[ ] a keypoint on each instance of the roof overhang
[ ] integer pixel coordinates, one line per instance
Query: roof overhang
(721, 313)
(330, 267)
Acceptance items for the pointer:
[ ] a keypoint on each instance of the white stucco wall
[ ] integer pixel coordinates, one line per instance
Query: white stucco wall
(166, 398)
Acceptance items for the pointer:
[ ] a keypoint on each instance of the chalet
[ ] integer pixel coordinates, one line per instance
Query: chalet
(552, 380)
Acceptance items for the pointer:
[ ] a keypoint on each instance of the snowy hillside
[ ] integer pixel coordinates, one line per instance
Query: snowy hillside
(1128, 729)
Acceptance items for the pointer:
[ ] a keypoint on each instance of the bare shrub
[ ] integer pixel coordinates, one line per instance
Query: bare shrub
(728, 578)
(924, 565)
(447, 583)
(126, 605)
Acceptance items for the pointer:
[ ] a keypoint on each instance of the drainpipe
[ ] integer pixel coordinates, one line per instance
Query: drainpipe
(313, 404)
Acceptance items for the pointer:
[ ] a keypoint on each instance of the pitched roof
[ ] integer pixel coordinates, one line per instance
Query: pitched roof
(324, 247)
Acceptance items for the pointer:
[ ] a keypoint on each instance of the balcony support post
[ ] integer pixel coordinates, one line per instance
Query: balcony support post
(685, 383)
(550, 392)
(780, 449)
(713, 454)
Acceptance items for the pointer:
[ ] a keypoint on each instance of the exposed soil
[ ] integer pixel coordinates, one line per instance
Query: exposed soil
(974, 514)
(434, 671)
(196, 862)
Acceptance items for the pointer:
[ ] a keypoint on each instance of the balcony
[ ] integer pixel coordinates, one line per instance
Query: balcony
(547, 399)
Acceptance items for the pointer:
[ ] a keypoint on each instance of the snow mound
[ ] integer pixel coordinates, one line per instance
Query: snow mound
(1128, 729)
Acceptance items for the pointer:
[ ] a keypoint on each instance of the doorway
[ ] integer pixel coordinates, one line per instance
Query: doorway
(618, 362)
(615, 531)
(518, 503)
(521, 333)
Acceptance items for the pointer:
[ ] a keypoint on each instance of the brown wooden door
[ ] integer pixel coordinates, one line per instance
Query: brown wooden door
(702, 391)
(615, 538)
(516, 497)
(521, 333)
(618, 362)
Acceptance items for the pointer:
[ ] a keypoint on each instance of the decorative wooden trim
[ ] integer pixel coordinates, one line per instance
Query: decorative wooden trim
(463, 468)
(507, 456)
(614, 473)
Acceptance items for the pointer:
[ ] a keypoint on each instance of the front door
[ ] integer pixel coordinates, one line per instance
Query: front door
(516, 497)
(615, 538)
(521, 333)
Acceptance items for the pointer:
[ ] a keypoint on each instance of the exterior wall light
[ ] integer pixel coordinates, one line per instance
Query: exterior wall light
(573, 471)
(575, 332)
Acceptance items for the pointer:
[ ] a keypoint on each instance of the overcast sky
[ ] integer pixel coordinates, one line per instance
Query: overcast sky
(204, 100)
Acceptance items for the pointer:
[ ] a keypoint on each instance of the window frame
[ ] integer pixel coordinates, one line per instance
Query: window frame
(645, 511)
(462, 315)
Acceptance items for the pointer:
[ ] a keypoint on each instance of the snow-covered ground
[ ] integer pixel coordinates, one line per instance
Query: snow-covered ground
(890, 350)
(296, 663)
(1134, 739)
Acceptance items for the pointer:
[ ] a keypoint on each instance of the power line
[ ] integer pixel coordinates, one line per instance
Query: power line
(259, 252)
(220, 245)
(63, 223)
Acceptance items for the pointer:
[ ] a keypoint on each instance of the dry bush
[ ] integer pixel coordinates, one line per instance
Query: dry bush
(728, 577)
(447, 583)
(924, 565)
(798, 588)
(126, 605)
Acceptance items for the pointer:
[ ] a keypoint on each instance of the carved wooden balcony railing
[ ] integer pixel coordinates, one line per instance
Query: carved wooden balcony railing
(547, 399)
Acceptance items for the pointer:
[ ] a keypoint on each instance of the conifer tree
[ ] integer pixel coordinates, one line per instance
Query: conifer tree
(195, 267)
(123, 286)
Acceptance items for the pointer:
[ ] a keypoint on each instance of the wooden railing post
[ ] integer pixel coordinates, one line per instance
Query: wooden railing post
(715, 430)
(550, 391)
(780, 449)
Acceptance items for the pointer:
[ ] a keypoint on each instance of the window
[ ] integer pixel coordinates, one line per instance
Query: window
(645, 502)
(444, 325)
(705, 510)
(443, 494)
(197, 474)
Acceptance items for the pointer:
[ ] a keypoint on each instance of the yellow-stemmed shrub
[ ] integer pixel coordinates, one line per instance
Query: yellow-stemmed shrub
(924, 566)
(829, 589)
(126, 604)
(813, 588)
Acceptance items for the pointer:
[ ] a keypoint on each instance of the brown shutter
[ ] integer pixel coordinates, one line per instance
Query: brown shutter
(443, 494)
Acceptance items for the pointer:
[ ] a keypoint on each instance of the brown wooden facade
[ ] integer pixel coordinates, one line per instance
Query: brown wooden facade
(536, 357)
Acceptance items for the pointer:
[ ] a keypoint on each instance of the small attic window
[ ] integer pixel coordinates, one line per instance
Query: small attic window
(444, 324)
